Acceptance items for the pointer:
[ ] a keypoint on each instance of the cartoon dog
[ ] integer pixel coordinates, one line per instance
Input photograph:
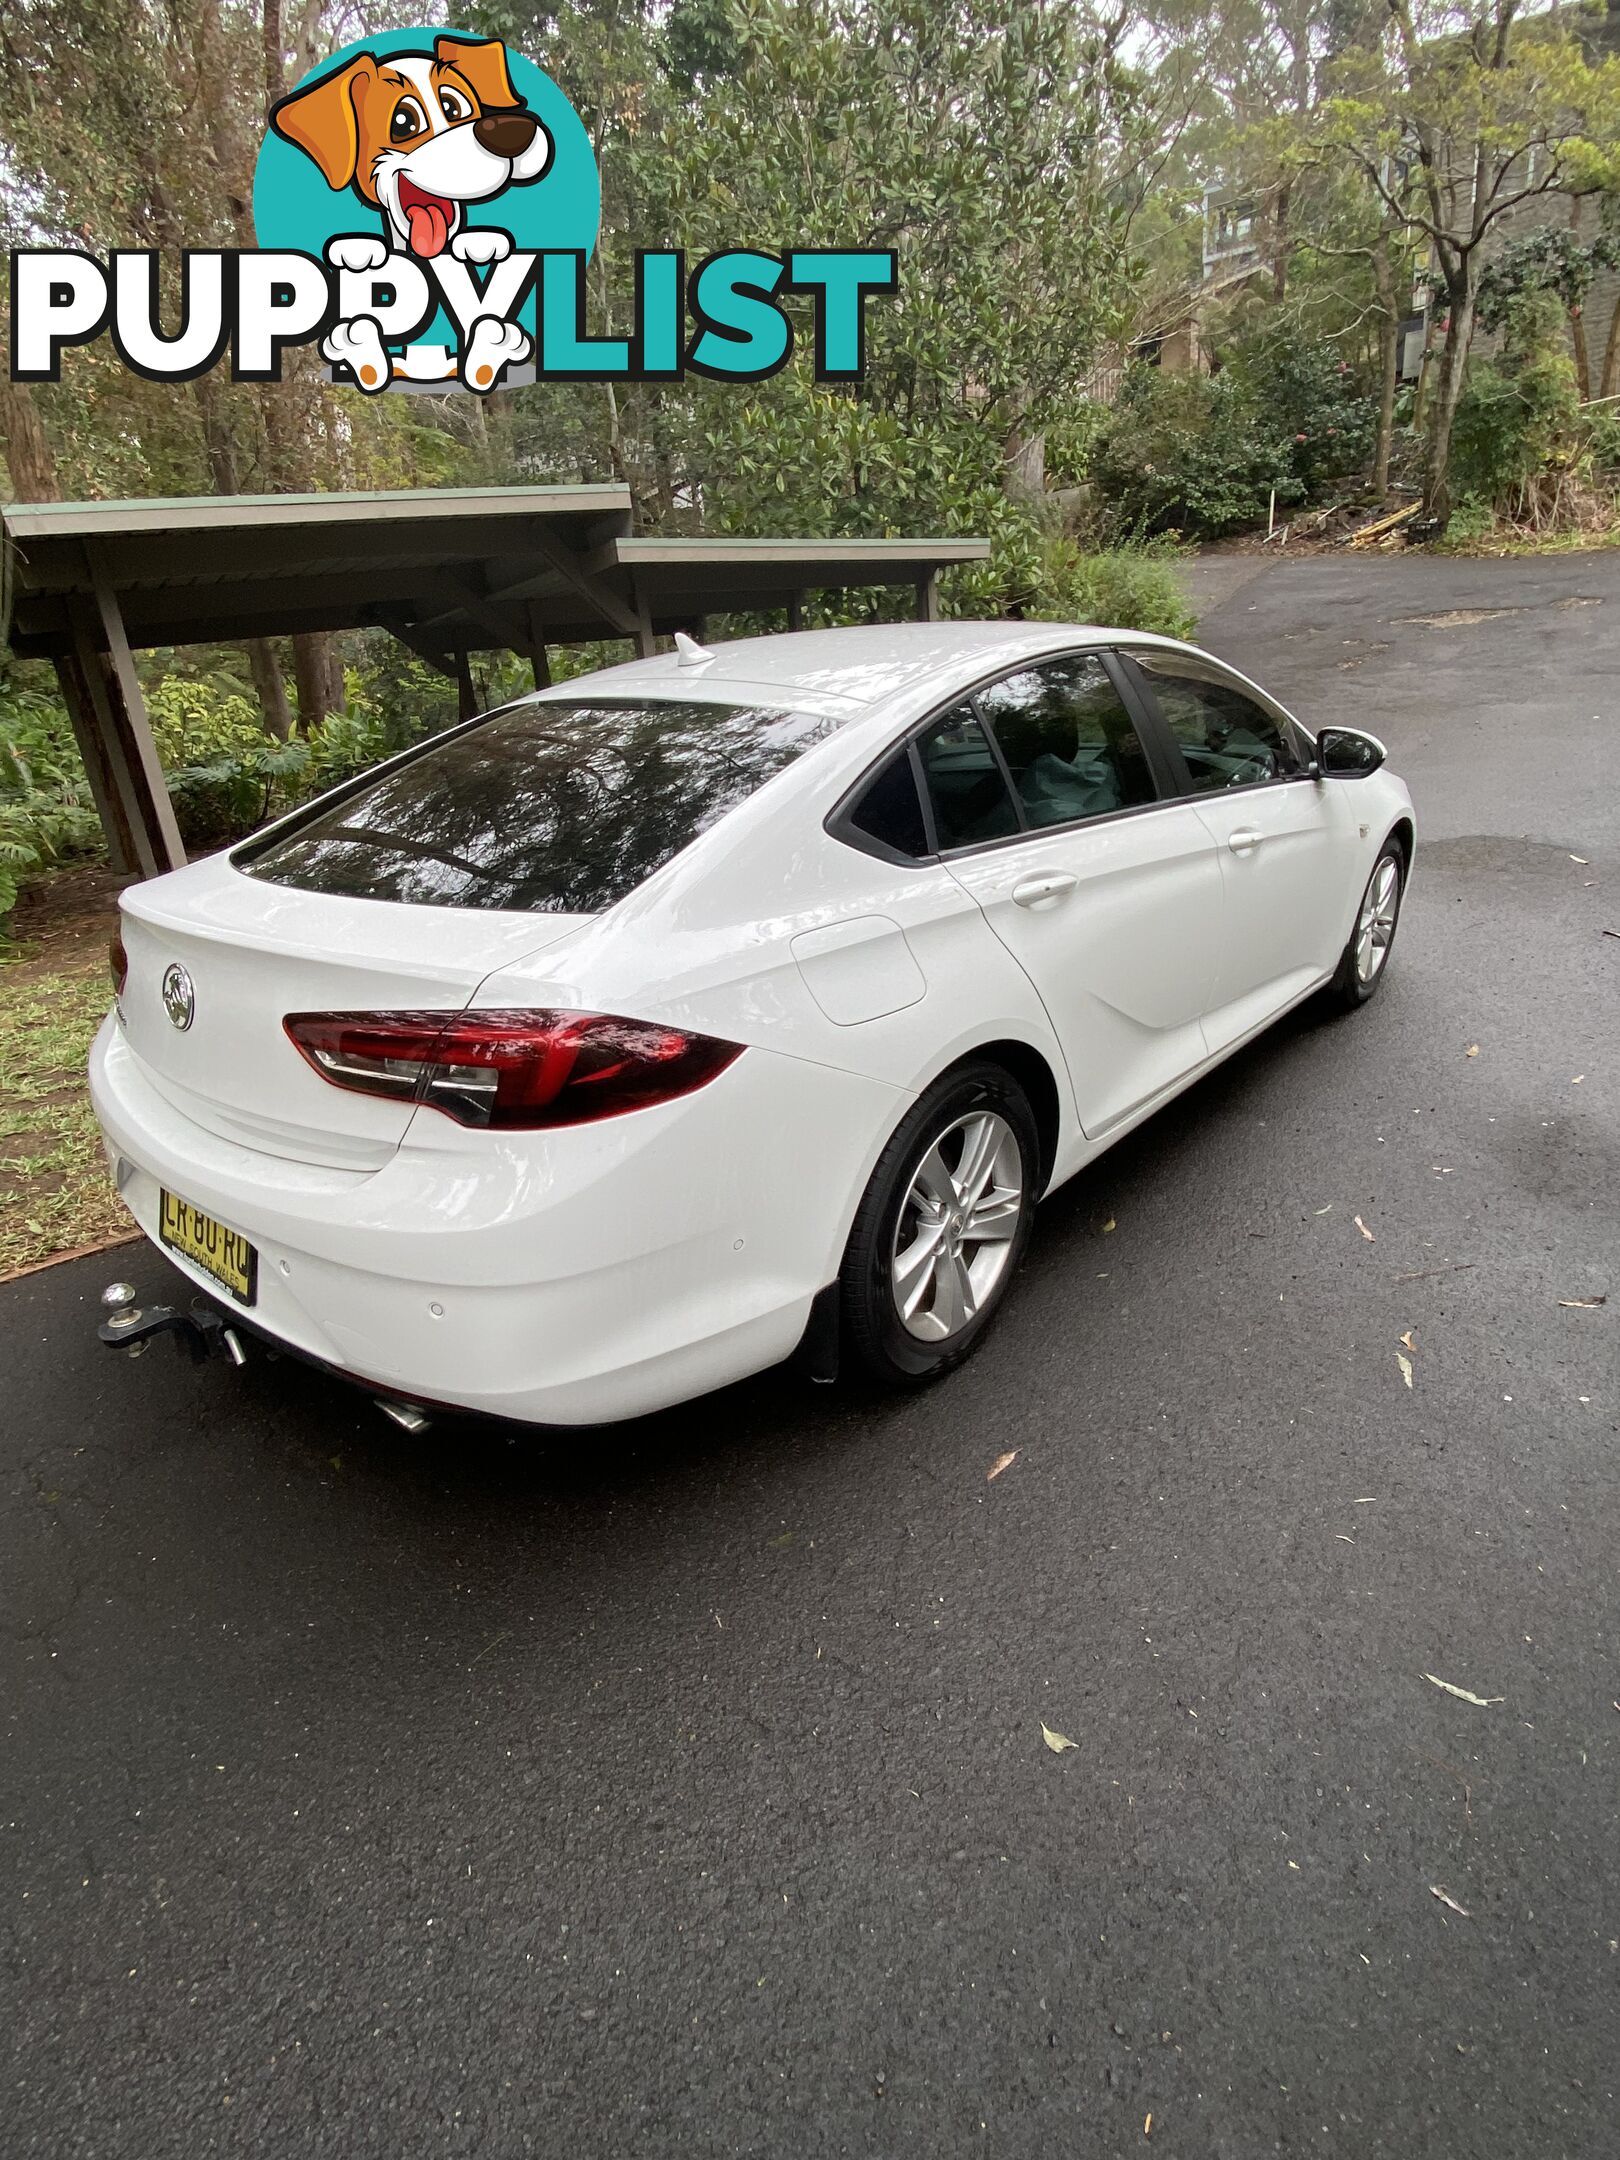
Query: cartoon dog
(417, 136)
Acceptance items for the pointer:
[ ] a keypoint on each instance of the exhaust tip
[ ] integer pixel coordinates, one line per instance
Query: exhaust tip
(406, 1415)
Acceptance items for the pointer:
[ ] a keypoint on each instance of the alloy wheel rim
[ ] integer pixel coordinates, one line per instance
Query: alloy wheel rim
(953, 1239)
(1375, 930)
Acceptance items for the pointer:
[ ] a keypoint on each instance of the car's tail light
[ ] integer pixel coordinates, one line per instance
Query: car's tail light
(118, 962)
(515, 1070)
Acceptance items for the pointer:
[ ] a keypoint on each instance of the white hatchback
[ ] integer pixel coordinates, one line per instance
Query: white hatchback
(609, 1047)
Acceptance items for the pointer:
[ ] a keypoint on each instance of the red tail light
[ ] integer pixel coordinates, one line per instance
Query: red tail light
(513, 1070)
(118, 962)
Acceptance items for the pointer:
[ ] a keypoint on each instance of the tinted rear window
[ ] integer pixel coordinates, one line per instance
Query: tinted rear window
(564, 806)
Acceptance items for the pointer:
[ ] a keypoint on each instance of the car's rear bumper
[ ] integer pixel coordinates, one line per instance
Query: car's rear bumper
(568, 1277)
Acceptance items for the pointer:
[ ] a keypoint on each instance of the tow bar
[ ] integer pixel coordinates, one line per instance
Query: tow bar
(131, 1327)
(202, 1331)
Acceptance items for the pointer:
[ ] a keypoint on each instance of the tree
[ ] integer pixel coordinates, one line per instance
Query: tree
(1457, 122)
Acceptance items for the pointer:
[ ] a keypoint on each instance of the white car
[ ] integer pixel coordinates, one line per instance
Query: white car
(609, 1047)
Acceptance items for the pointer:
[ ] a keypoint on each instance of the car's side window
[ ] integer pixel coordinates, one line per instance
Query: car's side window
(1069, 743)
(966, 785)
(1226, 739)
(889, 810)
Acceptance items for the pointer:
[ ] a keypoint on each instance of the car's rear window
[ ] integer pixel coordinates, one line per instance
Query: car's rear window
(562, 806)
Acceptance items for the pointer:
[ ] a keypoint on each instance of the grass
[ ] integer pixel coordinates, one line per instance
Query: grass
(55, 1192)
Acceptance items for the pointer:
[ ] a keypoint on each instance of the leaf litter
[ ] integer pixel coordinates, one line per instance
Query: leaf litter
(1449, 1902)
(1366, 1233)
(1002, 1462)
(1480, 1702)
(1056, 1741)
(1405, 1363)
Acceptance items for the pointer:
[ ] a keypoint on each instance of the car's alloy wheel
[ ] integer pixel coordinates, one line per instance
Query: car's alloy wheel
(941, 1227)
(953, 1236)
(1362, 964)
(1375, 929)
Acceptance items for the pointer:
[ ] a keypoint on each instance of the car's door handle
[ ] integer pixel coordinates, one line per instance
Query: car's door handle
(1034, 891)
(1241, 842)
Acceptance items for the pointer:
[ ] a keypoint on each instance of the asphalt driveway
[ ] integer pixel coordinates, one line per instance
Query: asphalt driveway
(683, 1788)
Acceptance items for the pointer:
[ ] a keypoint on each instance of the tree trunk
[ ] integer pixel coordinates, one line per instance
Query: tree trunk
(1609, 379)
(271, 685)
(1279, 246)
(1448, 393)
(315, 672)
(29, 457)
(1583, 364)
(1389, 362)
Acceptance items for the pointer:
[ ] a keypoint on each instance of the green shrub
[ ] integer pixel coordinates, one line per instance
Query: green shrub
(1308, 392)
(1185, 454)
(1519, 415)
(1130, 588)
(1202, 454)
(47, 812)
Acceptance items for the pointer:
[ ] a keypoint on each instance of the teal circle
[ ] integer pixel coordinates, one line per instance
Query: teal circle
(294, 208)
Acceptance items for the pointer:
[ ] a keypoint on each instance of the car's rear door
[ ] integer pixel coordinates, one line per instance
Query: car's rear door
(1284, 850)
(1051, 810)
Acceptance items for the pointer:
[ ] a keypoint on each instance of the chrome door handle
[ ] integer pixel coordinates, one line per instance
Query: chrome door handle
(1241, 842)
(1034, 891)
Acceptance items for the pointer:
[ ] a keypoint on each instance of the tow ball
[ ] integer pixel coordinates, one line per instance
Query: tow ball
(200, 1331)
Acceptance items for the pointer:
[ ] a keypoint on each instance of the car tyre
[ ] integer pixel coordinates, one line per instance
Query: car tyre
(918, 1288)
(1365, 960)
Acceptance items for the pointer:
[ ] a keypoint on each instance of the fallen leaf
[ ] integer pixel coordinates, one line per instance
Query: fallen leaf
(1056, 1740)
(1002, 1462)
(1147, 2127)
(1366, 1500)
(1581, 859)
(1448, 1901)
(1409, 1340)
(1110, 1224)
(1472, 1050)
(1366, 1233)
(1480, 1702)
(1328, 1210)
(1343, 1537)
(1583, 1304)
(1405, 1363)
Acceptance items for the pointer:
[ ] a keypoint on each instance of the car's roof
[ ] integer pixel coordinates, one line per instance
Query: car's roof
(841, 672)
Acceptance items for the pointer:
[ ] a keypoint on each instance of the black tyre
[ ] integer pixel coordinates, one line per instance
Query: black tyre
(941, 1227)
(1365, 960)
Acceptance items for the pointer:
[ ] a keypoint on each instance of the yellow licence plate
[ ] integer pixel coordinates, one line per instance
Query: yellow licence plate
(219, 1252)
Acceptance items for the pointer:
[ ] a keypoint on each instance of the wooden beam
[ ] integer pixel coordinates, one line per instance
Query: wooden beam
(122, 852)
(565, 564)
(928, 597)
(143, 829)
(410, 635)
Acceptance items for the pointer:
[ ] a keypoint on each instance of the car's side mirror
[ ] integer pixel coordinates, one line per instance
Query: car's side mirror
(1348, 753)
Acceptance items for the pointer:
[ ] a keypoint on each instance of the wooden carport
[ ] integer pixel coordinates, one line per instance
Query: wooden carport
(447, 571)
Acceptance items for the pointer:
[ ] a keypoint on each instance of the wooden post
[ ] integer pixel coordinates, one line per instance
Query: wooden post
(646, 644)
(539, 665)
(698, 629)
(122, 852)
(466, 694)
(928, 597)
(796, 611)
(114, 712)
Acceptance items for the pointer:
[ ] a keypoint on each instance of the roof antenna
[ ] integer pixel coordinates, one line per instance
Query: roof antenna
(688, 652)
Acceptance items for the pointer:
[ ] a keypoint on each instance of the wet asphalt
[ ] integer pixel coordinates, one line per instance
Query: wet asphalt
(682, 1788)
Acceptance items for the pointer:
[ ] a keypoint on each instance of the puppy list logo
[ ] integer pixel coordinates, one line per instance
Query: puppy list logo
(426, 203)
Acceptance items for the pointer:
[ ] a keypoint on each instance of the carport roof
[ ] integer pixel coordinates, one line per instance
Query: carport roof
(446, 570)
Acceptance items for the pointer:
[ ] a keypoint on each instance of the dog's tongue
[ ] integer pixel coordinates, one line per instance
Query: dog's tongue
(430, 227)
